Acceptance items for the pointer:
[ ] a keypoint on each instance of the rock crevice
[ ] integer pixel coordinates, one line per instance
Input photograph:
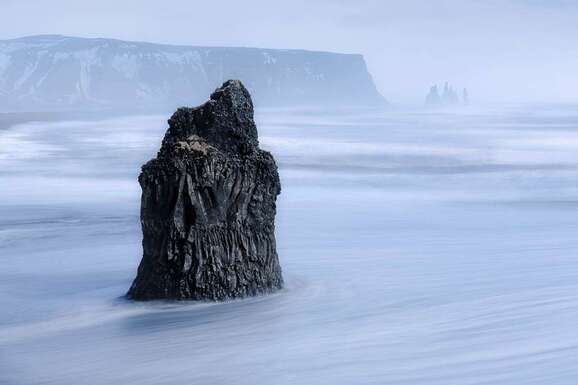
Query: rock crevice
(208, 206)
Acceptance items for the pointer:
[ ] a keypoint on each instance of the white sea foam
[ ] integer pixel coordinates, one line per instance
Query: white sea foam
(417, 249)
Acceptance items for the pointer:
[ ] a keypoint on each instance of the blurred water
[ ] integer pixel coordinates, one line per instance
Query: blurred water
(418, 248)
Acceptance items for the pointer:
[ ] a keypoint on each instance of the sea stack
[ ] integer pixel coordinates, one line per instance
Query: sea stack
(208, 206)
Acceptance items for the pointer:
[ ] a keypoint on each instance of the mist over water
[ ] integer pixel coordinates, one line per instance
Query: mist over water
(417, 248)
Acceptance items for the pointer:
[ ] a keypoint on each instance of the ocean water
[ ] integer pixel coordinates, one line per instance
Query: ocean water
(428, 248)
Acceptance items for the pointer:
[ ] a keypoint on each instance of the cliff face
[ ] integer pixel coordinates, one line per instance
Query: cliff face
(58, 72)
(208, 206)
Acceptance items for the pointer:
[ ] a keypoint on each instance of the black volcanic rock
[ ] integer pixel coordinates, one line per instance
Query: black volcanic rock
(208, 206)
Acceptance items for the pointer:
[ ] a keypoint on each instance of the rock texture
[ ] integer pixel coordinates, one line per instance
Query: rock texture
(208, 206)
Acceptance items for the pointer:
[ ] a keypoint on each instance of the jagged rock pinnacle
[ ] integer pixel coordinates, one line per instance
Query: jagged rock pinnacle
(208, 206)
(225, 121)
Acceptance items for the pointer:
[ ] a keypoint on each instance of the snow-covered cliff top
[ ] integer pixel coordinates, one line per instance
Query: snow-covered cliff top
(60, 72)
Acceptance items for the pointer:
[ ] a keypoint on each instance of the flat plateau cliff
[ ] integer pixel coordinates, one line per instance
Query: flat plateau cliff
(53, 72)
(208, 206)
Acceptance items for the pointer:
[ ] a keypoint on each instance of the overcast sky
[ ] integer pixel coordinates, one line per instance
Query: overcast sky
(508, 50)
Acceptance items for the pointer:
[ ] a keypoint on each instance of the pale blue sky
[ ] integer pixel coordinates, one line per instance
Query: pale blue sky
(509, 50)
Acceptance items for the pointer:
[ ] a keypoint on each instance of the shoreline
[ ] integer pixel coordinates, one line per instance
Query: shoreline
(10, 119)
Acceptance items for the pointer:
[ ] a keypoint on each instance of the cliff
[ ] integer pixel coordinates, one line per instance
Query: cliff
(208, 206)
(58, 72)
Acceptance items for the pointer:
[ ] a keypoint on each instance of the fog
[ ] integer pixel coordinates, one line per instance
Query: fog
(503, 51)
(418, 245)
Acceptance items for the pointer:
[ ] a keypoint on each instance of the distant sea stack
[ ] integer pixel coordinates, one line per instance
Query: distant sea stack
(53, 72)
(448, 97)
(208, 206)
